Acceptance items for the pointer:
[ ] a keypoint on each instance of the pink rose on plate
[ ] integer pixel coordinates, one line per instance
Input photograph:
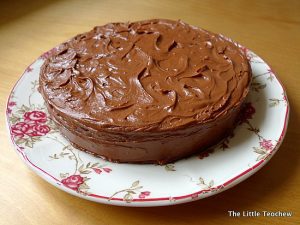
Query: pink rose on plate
(266, 144)
(37, 130)
(97, 170)
(8, 111)
(107, 170)
(35, 116)
(144, 194)
(11, 104)
(20, 129)
(73, 182)
(9, 107)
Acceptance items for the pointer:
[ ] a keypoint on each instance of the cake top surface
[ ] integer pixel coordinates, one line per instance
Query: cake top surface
(154, 74)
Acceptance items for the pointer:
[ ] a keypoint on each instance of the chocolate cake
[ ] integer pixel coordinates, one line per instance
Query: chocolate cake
(151, 91)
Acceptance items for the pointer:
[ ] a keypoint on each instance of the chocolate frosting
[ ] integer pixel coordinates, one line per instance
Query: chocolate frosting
(148, 91)
(148, 75)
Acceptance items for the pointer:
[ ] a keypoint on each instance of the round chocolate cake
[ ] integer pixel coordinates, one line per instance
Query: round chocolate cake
(151, 91)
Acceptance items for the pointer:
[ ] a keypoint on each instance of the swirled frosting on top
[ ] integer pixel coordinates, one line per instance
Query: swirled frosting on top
(154, 74)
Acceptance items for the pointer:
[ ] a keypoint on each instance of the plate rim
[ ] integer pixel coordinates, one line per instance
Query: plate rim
(149, 202)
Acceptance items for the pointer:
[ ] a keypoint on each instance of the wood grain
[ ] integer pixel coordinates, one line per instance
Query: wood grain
(269, 28)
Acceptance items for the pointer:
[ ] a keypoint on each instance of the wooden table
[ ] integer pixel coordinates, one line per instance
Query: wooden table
(269, 28)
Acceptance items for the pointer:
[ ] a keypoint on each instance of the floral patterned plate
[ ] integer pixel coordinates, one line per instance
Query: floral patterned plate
(47, 153)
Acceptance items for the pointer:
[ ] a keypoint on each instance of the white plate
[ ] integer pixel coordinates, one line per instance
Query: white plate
(47, 153)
